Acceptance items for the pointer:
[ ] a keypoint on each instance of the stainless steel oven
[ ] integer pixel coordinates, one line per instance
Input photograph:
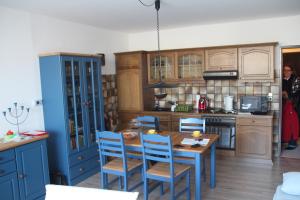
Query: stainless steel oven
(224, 126)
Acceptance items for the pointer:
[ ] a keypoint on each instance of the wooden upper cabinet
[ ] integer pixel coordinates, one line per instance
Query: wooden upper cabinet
(128, 61)
(167, 64)
(221, 59)
(190, 64)
(129, 81)
(256, 63)
(129, 91)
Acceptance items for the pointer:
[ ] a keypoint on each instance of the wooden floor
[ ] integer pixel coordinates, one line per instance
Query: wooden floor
(237, 179)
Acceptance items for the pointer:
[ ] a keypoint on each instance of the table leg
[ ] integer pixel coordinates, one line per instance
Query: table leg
(198, 176)
(213, 165)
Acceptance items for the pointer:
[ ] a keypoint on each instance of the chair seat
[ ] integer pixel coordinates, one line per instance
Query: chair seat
(117, 164)
(163, 169)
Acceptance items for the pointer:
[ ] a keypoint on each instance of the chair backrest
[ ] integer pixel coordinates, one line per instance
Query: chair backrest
(148, 122)
(157, 148)
(191, 124)
(111, 145)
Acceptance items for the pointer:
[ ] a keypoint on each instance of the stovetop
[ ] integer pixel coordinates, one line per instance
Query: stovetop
(220, 111)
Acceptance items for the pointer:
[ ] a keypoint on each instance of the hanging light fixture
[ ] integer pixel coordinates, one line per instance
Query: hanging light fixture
(160, 85)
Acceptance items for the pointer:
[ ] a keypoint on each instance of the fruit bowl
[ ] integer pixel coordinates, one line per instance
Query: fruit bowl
(129, 134)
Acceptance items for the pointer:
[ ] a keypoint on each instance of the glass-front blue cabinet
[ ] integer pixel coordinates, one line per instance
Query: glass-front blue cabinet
(73, 112)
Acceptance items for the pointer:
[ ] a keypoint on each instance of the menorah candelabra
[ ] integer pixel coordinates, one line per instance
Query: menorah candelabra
(16, 115)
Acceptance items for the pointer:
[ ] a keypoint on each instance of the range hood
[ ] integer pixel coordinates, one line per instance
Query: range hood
(215, 75)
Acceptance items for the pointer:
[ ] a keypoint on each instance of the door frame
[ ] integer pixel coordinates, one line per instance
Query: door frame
(280, 90)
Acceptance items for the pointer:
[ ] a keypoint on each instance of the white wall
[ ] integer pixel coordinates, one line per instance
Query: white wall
(23, 36)
(285, 30)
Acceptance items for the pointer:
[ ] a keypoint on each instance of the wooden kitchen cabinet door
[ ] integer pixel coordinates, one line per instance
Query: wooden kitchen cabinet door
(167, 63)
(129, 95)
(254, 141)
(128, 61)
(190, 64)
(221, 59)
(256, 63)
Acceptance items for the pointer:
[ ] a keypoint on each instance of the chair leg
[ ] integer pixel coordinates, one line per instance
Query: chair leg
(162, 188)
(120, 182)
(204, 169)
(188, 185)
(146, 189)
(172, 190)
(103, 180)
(125, 178)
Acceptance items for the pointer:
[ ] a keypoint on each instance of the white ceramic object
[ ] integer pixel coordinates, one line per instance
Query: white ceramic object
(228, 103)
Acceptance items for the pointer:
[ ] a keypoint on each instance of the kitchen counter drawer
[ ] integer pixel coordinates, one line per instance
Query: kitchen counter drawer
(84, 167)
(7, 155)
(162, 116)
(254, 121)
(7, 168)
(83, 156)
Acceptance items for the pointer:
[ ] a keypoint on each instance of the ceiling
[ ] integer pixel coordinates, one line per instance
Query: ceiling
(132, 16)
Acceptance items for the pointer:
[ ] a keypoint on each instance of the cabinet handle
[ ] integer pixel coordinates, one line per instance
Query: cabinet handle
(80, 157)
(81, 169)
(253, 120)
(22, 176)
(2, 171)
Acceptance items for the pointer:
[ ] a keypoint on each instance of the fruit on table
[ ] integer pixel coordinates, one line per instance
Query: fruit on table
(197, 134)
(151, 131)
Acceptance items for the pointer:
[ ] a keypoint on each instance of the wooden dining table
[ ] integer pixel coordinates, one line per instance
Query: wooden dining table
(196, 153)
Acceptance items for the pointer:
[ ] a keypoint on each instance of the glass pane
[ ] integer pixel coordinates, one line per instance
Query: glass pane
(90, 101)
(78, 103)
(191, 66)
(166, 67)
(70, 102)
(74, 101)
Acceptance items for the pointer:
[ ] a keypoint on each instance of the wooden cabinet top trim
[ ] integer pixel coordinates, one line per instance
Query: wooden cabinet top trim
(10, 145)
(207, 47)
(68, 54)
(130, 52)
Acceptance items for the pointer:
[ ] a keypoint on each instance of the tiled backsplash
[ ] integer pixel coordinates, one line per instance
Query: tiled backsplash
(110, 101)
(215, 90)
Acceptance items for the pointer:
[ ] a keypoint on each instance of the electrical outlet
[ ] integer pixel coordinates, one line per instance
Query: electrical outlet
(38, 102)
(270, 97)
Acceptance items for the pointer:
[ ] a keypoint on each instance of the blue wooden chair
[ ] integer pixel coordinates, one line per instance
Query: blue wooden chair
(148, 122)
(188, 125)
(112, 145)
(159, 149)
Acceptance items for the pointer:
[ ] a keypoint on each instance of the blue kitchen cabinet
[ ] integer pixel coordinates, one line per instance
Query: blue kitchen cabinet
(9, 187)
(24, 171)
(73, 112)
(32, 167)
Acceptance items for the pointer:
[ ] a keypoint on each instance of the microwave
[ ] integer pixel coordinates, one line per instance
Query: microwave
(254, 104)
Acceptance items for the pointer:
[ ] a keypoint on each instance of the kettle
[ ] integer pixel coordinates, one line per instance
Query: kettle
(203, 103)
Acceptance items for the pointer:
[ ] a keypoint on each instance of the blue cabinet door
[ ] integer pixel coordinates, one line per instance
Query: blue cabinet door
(9, 189)
(93, 95)
(32, 169)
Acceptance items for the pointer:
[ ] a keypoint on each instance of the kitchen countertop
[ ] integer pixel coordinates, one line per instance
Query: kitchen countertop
(197, 113)
(13, 144)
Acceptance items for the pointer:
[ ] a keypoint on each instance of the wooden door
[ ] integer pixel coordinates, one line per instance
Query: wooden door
(256, 63)
(254, 141)
(32, 169)
(129, 90)
(221, 59)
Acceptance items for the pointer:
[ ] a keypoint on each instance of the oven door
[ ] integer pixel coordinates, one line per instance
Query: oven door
(226, 132)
